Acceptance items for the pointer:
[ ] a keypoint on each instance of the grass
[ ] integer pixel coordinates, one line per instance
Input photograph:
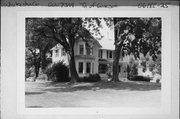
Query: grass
(99, 94)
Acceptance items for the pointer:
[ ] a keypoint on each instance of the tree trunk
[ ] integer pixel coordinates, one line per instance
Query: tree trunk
(43, 62)
(37, 66)
(115, 77)
(73, 72)
(36, 71)
(43, 57)
(116, 57)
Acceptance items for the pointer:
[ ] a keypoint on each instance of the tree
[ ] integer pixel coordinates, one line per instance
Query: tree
(131, 36)
(136, 35)
(33, 59)
(64, 31)
(37, 45)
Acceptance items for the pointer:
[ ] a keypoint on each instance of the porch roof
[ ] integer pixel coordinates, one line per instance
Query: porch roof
(106, 61)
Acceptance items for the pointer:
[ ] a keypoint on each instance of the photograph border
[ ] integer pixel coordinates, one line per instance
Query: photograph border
(166, 62)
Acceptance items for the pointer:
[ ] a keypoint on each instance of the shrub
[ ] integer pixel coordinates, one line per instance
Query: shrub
(141, 78)
(58, 72)
(132, 68)
(158, 65)
(109, 72)
(154, 65)
(29, 72)
(42, 77)
(91, 78)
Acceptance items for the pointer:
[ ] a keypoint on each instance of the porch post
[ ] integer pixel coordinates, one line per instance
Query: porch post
(84, 68)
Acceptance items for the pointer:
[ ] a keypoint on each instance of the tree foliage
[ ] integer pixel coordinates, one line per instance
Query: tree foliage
(132, 36)
(64, 31)
(143, 35)
(136, 35)
(37, 45)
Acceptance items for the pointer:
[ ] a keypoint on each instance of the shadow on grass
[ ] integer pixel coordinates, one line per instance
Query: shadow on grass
(33, 93)
(133, 86)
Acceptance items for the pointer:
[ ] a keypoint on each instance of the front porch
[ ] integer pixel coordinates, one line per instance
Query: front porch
(105, 69)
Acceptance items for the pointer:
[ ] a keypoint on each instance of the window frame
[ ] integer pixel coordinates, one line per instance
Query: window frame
(107, 54)
(100, 54)
(88, 70)
(80, 49)
(111, 54)
(79, 70)
(90, 50)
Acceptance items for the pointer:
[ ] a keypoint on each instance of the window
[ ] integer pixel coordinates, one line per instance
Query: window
(57, 53)
(88, 67)
(63, 52)
(109, 54)
(89, 51)
(80, 67)
(81, 49)
(103, 68)
(100, 53)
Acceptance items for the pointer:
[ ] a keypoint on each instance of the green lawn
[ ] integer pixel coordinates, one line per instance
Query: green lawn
(99, 94)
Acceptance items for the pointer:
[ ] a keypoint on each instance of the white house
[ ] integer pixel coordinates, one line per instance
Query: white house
(90, 59)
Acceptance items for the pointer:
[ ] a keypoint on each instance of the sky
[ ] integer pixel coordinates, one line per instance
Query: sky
(107, 41)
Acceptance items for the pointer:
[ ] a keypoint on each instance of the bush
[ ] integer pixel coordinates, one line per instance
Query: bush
(58, 72)
(132, 68)
(29, 72)
(154, 65)
(91, 78)
(141, 78)
(109, 72)
(158, 65)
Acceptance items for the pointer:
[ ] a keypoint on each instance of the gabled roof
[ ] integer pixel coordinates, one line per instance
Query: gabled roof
(58, 45)
(104, 43)
(97, 42)
(107, 44)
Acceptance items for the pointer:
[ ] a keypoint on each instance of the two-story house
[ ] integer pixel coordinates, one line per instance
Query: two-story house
(86, 56)
(91, 58)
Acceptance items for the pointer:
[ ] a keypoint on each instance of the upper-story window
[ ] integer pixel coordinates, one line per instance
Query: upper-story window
(57, 53)
(63, 52)
(100, 53)
(109, 54)
(81, 49)
(89, 50)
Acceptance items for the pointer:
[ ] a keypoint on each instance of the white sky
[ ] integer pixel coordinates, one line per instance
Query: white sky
(107, 41)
